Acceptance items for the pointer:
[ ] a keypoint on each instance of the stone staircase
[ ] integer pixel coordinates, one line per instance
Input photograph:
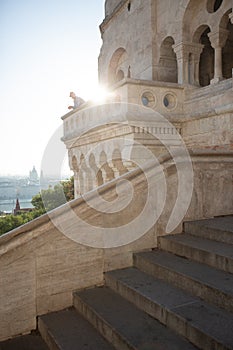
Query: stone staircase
(179, 296)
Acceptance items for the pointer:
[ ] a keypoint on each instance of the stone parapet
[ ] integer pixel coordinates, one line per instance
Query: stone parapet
(164, 98)
(175, 102)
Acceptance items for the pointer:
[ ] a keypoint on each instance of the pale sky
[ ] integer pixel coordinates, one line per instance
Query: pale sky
(48, 48)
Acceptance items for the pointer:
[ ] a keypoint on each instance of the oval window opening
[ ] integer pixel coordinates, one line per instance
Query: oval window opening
(148, 99)
(169, 101)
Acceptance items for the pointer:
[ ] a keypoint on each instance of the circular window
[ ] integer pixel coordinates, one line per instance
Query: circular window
(169, 101)
(213, 5)
(148, 99)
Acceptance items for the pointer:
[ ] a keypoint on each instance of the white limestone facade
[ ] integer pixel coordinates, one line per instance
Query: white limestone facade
(180, 41)
(174, 58)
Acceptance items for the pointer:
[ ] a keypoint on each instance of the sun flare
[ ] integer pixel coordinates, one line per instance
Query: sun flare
(100, 95)
(96, 93)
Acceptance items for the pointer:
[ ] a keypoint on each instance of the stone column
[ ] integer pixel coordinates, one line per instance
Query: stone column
(182, 62)
(183, 50)
(196, 50)
(218, 40)
(73, 163)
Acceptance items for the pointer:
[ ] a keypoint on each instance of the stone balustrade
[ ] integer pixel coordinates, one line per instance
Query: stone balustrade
(161, 97)
(172, 101)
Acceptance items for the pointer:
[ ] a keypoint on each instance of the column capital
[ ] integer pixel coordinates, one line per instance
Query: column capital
(183, 49)
(218, 38)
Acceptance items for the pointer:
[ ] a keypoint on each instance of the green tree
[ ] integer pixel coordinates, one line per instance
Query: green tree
(68, 187)
(9, 222)
(54, 197)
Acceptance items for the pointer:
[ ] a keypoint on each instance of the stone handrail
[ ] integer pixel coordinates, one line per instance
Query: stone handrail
(7, 239)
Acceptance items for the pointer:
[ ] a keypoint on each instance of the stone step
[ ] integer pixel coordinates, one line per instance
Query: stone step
(218, 229)
(68, 330)
(212, 253)
(192, 318)
(123, 324)
(210, 284)
(31, 341)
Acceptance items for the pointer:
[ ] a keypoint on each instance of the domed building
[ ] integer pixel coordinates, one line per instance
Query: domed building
(33, 177)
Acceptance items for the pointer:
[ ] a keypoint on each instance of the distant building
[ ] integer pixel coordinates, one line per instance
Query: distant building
(18, 210)
(33, 177)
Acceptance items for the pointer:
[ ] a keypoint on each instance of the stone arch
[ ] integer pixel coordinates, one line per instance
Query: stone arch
(198, 33)
(213, 5)
(118, 162)
(118, 66)
(206, 65)
(81, 176)
(227, 50)
(167, 62)
(107, 172)
(87, 174)
(98, 173)
(74, 163)
(75, 167)
(189, 14)
(120, 75)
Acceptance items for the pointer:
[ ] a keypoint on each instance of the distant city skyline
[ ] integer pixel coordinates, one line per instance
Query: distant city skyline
(48, 48)
(23, 188)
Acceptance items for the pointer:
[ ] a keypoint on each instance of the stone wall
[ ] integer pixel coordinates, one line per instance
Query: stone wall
(111, 5)
(39, 269)
(124, 49)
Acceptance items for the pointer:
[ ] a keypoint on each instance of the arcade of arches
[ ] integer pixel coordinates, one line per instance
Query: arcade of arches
(95, 171)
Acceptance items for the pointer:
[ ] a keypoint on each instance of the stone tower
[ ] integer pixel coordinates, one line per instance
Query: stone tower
(179, 41)
(174, 57)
